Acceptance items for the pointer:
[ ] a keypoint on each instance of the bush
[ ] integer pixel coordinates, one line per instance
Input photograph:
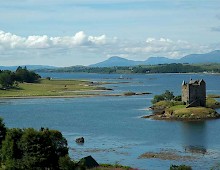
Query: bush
(65, 163)
(178, 98)
(167, 96)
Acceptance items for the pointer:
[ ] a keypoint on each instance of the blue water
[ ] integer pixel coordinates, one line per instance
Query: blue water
(112, 127)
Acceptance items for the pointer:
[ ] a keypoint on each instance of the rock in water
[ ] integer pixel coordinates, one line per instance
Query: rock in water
(80, 140)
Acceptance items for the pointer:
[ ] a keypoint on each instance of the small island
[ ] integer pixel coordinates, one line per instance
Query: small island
(193, 105)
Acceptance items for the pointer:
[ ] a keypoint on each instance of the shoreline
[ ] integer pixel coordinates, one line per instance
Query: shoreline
(39, 97)
(160, 117)
(70, 96)
(162, 114)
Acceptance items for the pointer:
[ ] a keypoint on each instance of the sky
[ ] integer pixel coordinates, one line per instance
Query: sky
(84, 32)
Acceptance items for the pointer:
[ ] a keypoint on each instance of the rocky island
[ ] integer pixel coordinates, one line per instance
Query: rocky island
(193, 105)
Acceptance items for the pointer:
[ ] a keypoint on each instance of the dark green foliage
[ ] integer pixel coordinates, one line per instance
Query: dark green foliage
(8, 78)
(11, 153)
(167, 96)
(24, 75)
(175, 68)
(32, 149)
(160, 68)
(65, 163)
(157, 98)
(180, 167)
(2, 131)
(178, 98)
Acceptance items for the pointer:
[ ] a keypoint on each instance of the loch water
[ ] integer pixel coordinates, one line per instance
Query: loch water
(112, 127)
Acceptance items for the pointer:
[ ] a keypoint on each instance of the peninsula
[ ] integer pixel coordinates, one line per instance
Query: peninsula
(27, 84)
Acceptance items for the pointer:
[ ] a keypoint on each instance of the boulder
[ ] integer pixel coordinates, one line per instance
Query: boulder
(80, 140)
(89, 162)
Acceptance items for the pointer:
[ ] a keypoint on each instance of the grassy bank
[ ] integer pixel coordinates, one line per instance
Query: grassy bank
(173, 110)
(51, 88)
(211, 102)
(180, 112)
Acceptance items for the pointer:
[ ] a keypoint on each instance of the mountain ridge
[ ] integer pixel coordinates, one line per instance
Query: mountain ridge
(211, 57)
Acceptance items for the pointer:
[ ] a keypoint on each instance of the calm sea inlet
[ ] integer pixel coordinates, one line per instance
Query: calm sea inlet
(112, 127)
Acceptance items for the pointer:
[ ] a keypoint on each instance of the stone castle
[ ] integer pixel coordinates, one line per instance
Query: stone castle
(194, 93)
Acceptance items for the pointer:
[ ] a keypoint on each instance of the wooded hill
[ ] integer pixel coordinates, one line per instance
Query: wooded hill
(160, 68)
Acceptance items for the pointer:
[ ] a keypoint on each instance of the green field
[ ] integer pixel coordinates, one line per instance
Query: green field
(51, 88)
(191, 113)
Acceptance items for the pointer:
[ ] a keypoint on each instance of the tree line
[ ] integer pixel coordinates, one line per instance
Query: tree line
(22, 149)
(9, 79)
(160, 68)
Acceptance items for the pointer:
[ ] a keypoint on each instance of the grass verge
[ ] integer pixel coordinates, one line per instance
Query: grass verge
(51, 88)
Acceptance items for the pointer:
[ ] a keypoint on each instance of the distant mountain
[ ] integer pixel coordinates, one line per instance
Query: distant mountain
(212, 57)
(29, 67)
(119, 61)
(159, 60)
(116, 61)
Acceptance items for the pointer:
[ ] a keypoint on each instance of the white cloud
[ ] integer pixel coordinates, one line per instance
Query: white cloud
(166, 47)
(8, 40)
(11, 41)
(79, 38)
(89, 47)
(97, 40)
(37, 42)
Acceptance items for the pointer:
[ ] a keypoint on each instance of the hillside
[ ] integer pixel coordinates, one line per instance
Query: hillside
(211, 57)
(116, 61)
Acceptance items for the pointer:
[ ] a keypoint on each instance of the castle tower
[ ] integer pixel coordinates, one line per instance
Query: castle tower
(194, 93)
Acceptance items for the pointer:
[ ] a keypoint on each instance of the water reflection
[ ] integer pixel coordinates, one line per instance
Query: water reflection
(194, 137)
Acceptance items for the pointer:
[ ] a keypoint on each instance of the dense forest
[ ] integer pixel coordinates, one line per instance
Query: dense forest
(160, 68)
(9, 79)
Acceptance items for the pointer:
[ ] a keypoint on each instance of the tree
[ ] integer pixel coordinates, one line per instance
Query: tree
(65, 163)
(168, 95)
(32, 149)
(2, 131)
(157, 98)
(11, 151)
(24, 75)
(6, 79)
